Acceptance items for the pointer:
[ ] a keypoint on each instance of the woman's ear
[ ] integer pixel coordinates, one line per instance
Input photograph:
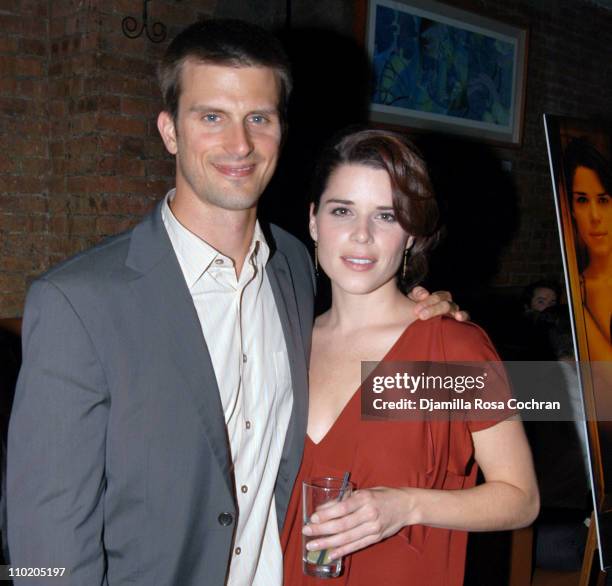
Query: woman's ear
(409, 243)
(312, 223)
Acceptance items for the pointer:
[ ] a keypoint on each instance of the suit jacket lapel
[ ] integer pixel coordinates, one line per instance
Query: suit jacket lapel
(163, 293)
(284, 295)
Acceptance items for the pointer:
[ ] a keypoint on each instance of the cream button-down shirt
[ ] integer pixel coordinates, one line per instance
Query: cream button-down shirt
(242, 329)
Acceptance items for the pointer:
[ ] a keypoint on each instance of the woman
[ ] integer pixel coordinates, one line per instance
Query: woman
(589, 181)
(373, 219)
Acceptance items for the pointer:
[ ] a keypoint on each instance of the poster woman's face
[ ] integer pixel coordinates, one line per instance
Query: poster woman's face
(592, 210)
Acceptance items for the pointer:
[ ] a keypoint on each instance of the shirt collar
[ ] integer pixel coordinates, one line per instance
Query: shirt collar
(195, 255)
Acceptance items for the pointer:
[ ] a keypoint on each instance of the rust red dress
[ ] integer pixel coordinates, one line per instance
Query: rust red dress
(424, 454)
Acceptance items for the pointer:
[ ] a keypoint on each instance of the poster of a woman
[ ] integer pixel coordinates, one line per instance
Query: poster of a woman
(588, 184)
(581, 169)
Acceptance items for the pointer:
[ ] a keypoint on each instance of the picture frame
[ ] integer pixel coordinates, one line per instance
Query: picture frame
(574, 144)
(440, 68)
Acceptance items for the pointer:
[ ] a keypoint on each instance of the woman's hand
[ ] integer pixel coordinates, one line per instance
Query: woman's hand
(432, 304)
(366, 517)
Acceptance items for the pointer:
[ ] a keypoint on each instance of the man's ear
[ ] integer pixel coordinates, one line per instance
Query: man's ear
(167, 130)
(312, 223)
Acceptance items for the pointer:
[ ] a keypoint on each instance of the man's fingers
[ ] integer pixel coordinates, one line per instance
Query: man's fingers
(461, 315)
(418, 293)
(440, 303)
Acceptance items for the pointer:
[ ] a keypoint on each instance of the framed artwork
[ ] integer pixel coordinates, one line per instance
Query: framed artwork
(440, 68)
(581, 170)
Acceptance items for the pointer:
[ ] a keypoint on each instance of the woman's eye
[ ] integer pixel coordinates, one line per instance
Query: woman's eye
(340, 211)
(580, 199)
(604, 199)
(387, 217)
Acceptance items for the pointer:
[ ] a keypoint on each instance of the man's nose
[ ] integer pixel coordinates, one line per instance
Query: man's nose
(238, 142)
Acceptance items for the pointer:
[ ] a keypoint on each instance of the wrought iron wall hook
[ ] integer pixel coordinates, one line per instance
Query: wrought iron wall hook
(129, 26)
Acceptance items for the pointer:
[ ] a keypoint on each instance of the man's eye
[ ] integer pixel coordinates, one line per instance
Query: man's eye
(211, 117)
(258, 119)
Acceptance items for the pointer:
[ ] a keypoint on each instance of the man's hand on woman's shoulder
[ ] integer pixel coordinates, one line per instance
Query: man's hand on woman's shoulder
(430, 305)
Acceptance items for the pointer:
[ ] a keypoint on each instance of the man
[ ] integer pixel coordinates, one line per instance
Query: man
(161, 409)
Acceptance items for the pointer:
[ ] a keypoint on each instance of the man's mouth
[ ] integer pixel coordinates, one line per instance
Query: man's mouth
(235, 171)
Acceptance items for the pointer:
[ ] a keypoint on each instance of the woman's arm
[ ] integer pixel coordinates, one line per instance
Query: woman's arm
(507, 500)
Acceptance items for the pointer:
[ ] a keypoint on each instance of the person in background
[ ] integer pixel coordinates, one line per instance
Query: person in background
(540, 295)
(560, 451)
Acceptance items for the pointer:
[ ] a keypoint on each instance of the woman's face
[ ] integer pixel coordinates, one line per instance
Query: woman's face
(360, 242)
(592, 210)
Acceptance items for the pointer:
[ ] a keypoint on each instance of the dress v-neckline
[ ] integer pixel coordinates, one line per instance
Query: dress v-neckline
(331, 428)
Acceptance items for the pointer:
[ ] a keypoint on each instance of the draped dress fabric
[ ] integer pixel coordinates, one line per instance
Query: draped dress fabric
(426, 454)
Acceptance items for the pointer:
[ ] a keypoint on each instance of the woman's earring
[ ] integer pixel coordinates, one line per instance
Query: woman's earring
(405, 264)
(316, 258)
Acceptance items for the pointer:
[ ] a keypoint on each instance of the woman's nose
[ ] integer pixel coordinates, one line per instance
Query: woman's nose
(361, 231)
(595, 212)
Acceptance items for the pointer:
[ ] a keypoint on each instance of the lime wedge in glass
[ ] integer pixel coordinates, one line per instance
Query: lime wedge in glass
(313, 557)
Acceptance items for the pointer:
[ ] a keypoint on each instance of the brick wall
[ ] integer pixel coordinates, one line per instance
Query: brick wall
(81, 158)
(24, 160)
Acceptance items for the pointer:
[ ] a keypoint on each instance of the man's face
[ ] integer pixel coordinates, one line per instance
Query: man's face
(227, 134)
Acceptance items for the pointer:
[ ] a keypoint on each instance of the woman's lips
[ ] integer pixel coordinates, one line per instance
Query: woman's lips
(358, 263)
(235, 171)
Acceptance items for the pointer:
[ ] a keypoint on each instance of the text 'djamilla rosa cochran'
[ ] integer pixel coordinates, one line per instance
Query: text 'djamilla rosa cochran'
(451, 390)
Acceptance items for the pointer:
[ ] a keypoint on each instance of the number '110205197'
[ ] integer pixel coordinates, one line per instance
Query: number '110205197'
(13, 572)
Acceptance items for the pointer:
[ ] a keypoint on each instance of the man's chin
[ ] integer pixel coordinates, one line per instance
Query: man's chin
(235, 201)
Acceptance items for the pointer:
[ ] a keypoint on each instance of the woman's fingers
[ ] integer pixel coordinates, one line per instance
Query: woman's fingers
(369, 530)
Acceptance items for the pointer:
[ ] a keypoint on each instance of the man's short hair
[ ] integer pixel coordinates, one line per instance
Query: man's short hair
(228, 42)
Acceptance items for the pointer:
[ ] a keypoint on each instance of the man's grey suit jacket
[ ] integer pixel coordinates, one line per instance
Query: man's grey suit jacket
(118, 460)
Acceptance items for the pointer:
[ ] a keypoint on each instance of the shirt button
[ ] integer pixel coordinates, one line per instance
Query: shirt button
(244, 489)
(237, 551)
(225, 519)
(244, 358)
(248, 425)
(219, 261)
